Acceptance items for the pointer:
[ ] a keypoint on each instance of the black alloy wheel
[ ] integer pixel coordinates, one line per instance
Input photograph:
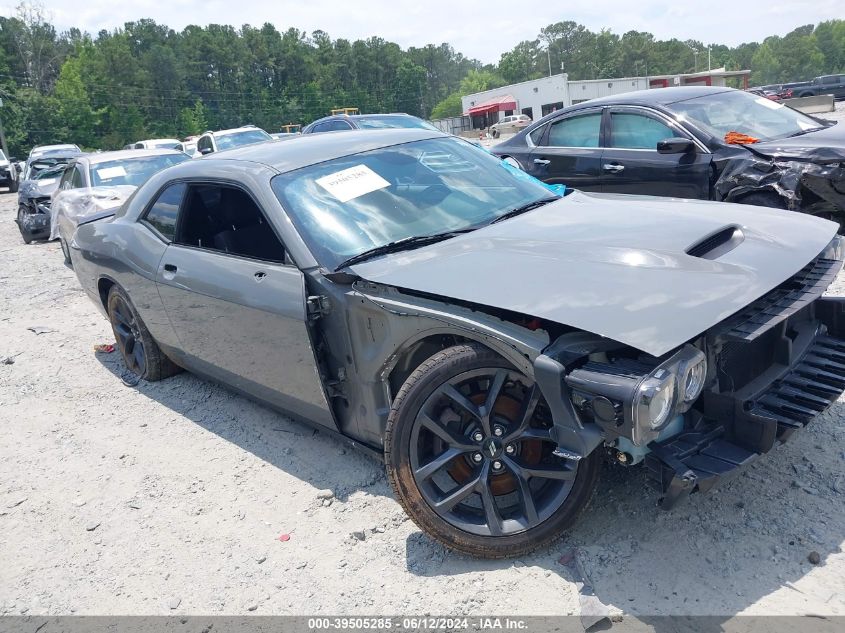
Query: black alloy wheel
(471, 456)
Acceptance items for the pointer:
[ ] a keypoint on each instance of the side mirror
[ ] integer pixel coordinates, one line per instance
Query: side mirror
(675, 146)
(206, 150)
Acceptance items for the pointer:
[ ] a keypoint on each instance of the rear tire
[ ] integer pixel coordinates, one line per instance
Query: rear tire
(480, 476)
(13, 188)
(140, 352)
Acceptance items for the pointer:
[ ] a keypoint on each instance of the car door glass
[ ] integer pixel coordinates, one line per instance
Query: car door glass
(226, 219)
(164, 211)
(629, 130)
(576, 131)
(334, 126)
(204, 144)
(537, 135)
(76, 179)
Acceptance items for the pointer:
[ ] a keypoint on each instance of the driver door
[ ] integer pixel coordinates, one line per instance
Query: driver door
(632, 164)
(237, 306)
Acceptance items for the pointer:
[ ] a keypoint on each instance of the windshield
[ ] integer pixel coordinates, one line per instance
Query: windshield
(165, 144)
(744, 113)
(49, 174)
(383, 122)
(131, 171)
(38, 169)
(236, 139)
(349, 205)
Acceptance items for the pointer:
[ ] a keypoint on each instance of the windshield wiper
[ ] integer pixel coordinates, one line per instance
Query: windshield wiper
(812, 129)
(405, 243)
(524, 208)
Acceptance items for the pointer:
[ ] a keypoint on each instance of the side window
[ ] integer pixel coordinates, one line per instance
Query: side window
(320, 127)
(636, 131)
(336, 125)
(76, 179)
(537, 135)
(162, 215)
(226, 219)
(576, 131)
(66, 176)
(830, 80)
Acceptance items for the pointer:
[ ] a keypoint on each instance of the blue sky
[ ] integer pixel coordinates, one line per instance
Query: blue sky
(482, 30)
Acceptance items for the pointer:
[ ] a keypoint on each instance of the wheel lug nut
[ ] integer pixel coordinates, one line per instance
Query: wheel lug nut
(498, 431)
(477, 457)
(497, 465)
(510, 449)
(477, 436)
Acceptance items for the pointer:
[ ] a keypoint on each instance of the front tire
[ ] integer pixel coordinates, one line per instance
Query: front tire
(22, 213)
(468, 450)
(140, 352)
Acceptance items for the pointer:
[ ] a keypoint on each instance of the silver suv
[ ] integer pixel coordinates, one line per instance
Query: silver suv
(211, 142)
(511, 123)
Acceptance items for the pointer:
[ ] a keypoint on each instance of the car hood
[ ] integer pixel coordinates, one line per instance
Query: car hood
(615, 265)
(38, 188)
(827, 145)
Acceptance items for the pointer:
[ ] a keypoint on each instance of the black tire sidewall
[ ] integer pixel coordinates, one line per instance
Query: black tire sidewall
(411, 397)
(152, 353)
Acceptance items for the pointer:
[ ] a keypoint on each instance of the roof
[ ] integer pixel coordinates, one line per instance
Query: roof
(661, 96)
(124, 154)
(234, 130)
(310, 149)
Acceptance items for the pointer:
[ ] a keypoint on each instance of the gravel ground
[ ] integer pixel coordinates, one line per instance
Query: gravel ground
(175, 498)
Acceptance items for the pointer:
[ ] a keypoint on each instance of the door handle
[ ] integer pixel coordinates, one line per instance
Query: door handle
(170, 268)
(541, 161)
(260, 275)
(613, 168)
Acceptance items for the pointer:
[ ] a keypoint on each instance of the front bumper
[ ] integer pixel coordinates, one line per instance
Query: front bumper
(733, 428)
(35, 225)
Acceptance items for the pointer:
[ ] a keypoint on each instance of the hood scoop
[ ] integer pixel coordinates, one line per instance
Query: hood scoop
(717, 244)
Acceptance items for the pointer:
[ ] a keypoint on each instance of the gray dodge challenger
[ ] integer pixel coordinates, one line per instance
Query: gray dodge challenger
(491, 341)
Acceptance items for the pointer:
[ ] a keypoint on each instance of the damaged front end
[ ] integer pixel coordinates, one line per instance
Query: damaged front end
(698, 414)
(33, 219)
(811, 181)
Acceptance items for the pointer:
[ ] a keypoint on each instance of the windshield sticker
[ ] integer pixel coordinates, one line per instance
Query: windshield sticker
(352, 183)
(772, 105)
(46, 181)
(110, 172)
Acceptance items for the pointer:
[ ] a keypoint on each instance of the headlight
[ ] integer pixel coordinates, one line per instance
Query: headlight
(693, 379)
(655, 399)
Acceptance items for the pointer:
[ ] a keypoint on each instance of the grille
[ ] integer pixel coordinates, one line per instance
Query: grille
(784, 301)
(808, 389)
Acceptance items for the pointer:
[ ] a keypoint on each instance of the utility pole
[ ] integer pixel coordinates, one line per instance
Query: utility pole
(3, 138)
(549, 56)
(708, 59)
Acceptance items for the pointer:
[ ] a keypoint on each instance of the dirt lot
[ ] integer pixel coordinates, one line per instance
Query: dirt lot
(171, 498)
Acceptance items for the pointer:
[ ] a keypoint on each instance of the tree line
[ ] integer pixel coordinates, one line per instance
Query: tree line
(147, 80)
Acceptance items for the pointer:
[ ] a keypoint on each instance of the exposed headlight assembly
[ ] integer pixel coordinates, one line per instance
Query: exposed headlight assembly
(643, 399)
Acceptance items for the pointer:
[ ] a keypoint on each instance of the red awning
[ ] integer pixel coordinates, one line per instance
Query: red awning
(496, 104)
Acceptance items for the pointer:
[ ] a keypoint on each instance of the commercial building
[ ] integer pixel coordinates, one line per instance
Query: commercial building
(539, 97)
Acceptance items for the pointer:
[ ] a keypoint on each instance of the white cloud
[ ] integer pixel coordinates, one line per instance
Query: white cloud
(482, 30)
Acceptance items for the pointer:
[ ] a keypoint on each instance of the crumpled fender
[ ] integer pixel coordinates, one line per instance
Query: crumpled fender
(820, 171)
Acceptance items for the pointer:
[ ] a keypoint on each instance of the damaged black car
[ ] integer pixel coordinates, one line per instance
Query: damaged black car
(709, 143)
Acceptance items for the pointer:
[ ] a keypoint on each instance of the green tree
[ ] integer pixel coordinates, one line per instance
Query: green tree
(79, 120)
(449, 107)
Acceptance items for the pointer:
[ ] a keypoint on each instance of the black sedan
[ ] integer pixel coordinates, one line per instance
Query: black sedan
(691, 142)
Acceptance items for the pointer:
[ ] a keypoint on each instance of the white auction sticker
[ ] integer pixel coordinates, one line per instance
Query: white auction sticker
(46, 181)
(111, 172)
(352, 183)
